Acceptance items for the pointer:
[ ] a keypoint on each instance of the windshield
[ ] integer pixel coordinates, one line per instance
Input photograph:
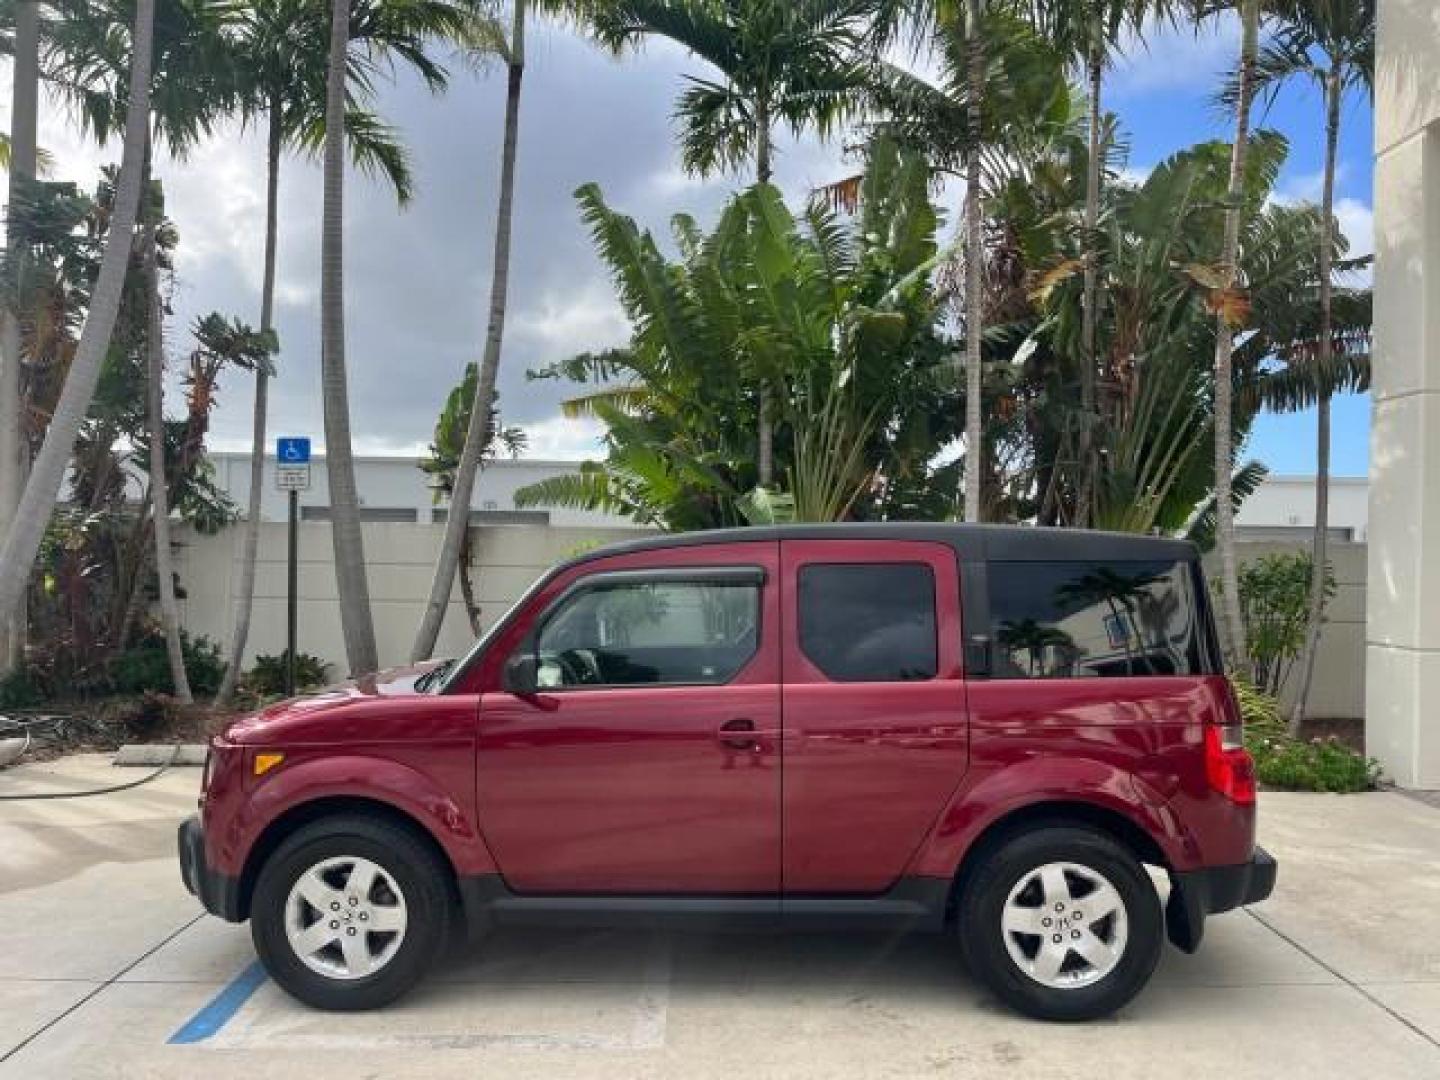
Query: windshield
(450, 671)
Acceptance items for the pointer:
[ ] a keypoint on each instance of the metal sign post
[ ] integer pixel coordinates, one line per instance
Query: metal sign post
(292, 476)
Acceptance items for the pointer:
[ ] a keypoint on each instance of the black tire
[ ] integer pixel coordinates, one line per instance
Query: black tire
(983, 940)
(423, 880)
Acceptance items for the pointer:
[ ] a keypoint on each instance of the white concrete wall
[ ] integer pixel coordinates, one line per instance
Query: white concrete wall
(1403, 633)
(1288, 503)
(398, 482)
(401, 560)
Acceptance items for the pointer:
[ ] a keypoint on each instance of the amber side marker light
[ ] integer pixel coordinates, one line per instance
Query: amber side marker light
(265, 762)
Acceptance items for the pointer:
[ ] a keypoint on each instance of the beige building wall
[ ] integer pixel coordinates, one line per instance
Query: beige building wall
(400, 559)
(1403, 635)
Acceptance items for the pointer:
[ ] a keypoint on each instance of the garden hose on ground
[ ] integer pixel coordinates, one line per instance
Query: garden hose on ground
(23, 727)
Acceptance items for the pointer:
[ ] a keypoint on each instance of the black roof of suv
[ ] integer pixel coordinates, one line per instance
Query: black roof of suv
(974, 543)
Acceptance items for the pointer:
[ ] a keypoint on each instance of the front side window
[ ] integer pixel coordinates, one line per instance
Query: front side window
(1060, 620)
(869, 622)
(639, 633)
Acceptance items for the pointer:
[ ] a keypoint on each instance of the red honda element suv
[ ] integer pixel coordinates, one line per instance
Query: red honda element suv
(986, 732)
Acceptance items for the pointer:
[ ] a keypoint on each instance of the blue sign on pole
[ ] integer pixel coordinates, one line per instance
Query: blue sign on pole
(294, 450)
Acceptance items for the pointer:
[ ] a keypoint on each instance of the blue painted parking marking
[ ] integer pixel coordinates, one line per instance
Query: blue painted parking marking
(222, 1007)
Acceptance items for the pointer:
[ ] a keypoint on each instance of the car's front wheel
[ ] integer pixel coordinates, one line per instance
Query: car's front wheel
(348, 912)
(1062, 923)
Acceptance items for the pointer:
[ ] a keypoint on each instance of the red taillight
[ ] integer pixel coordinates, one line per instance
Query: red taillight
(1228, 766)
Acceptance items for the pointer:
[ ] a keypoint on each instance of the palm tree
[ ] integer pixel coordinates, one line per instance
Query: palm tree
(794, 63)
(285, 45)
(354, 589)
(1332, 44)
(997, 79)
(974, 266)
(193, 87)
(22, 162)
(155, 408)
(42, 489)
(1225, 337)
(479, 429)
(349, 545)
(1089, 31)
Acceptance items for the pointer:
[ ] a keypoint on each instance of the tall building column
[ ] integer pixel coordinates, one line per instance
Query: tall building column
(1402, 698)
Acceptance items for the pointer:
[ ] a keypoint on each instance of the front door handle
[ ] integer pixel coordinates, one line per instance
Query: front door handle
(738, 734)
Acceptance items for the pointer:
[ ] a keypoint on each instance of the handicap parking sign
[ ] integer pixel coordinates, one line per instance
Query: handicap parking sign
(293, 450)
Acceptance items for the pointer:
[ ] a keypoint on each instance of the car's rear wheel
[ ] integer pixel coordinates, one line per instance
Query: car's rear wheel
(1062, 923)
(349, 912)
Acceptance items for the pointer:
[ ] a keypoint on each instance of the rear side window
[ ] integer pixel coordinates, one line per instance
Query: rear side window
(869, 622)
(1062, 620)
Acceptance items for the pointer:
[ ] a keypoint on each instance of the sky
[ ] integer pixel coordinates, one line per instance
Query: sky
(417, 279)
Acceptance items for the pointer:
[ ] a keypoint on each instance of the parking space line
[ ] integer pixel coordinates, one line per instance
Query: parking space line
(101, 988)
(217, 1012)
(1345, 979)
(646, 1030)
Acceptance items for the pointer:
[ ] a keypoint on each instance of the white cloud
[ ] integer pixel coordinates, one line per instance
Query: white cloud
(1357, 222)
(1310, 186)
(562, 439)
(1166, 58)
(567, 324)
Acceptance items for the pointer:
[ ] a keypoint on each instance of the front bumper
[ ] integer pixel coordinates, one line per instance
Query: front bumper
(219, 893)
(1195, 894)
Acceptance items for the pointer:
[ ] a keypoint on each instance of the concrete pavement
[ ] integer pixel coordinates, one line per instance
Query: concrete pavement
(106, 960)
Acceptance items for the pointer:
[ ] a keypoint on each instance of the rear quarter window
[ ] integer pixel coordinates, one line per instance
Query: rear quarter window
(1064, 620)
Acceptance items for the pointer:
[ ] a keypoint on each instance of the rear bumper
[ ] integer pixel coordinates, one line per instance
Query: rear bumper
(219, 893)
(1194, 894)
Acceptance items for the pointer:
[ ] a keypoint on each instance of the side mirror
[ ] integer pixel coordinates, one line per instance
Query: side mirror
(521, 674)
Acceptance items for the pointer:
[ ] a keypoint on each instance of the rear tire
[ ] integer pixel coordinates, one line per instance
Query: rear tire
(1025, 931)
(349, 912)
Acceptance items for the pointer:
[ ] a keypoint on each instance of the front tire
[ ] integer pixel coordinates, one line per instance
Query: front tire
(1061, 923)
(349, 912)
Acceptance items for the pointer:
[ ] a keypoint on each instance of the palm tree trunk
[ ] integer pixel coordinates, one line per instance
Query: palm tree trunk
(1090, 316)
(25, 95)
(1225, 345)
(159, 484)
(42, 488)
(250, 542)
(974, 256)
(478, 432)
(467, 584)
(765, 423)
(1334, 92)
(349, 544)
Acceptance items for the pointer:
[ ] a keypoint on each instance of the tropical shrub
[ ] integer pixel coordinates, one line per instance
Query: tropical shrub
(1296, 764)
(1274, 602)
(145, 666)
(19, 690)
(267, 677)
(1316, 765)
(833, 321)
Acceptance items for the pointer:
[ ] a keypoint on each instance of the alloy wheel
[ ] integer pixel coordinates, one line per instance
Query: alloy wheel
(345, 918)
(1065, 925)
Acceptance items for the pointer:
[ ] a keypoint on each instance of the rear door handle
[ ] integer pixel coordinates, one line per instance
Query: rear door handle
(738, 734)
